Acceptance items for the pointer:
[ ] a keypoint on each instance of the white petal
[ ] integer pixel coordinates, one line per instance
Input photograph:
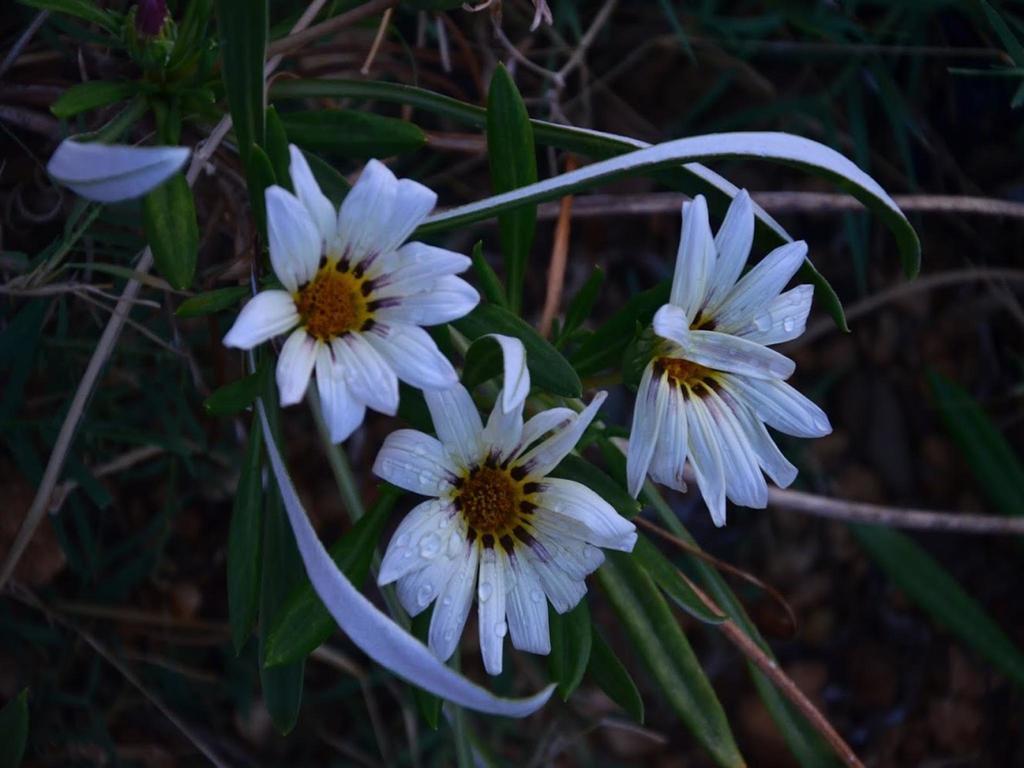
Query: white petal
(785, 318)
(504, 430)
(265, 315)
(724, 352)
(648, 416)
(760, 286)
(490, 595)
(320, 209)
(411, 547)
(516, 379)
(446, 299)
(733, 245)
(107, 173)
(368, 375)
(604, 526)
(769, 457)
(342, 412)
(412, 355)
(695, 259)
(295, 366)
(416, 462)
(419, 588)
(562, 590)
(527, 609)
(540, 424)
(670, 451)
(706, 458)
(544, 457)
(780, 406)
(452, 608)
(414, 264)
(744, 483)
(457, 423)
(413, 202)
(371, 630)
(295, 246)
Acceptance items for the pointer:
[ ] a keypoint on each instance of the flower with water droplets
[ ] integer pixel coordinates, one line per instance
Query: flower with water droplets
(353, 295)
(497, 525)
(713, 383)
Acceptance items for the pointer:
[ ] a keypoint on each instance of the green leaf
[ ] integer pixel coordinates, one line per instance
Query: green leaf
(352, 134)
(548, 369)
(660, 642)
(667, 576)
(83, 9)
(427, 703)
(513, 162)
(242, 28)
(277, 149)
(582, 471)
(992, 460)
(85, 96)
(490, 283)
(332, 183)
(303, 623)
(611, 676)
(236, 396)
(14, 730)
(582, 303)
(931, 586)
(260, 175)
(571, 639)
(212, 301)
(169, 216)
(244, 542)
(1006, 36)
(605, 347)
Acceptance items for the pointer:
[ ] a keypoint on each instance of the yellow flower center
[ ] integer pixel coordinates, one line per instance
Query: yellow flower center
(682, 372)
(333, 303)
(494, 502)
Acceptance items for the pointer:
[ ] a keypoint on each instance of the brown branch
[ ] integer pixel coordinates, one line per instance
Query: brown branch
(300, 38)
(559, 258)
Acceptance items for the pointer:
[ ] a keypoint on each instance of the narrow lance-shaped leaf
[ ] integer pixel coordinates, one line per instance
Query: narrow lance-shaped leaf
(236, 396)
(244, 542)
(371, 630)
(581, 304)
(242, 27)
(90, 95)
(660, 642)
(667, 576)
(490, 283)
(169, 215)
(570, 647)
(612, 677)
(212, 301)
(352, 134)
(513, 163)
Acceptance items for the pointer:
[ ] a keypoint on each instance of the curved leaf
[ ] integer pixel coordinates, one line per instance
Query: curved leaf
(570, 647)
(608, 672)
(351, 134)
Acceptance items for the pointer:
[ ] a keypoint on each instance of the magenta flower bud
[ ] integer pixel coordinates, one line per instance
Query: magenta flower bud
(149, 17)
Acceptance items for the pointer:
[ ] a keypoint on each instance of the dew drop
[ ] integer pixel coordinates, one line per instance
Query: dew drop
(430, 545)
(402, 540)
(536, 595)
(788, 324)
(500, 629)
(419, 450)
(446, 601)
(484, 591)
(448, 635)
(454, 544)
(425, 592)
(425, 477)
(762, 322)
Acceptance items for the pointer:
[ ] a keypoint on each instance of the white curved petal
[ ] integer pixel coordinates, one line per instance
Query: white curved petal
(516, 381)
(744, 483)
(108, 173)
(452, 608)
(342, 413)
(541, 459)
(526, 608)
(320, 209)
(411, 546)
(457, 423)
(784, 319)
(539, 425)
(732, 242)
(295, 246)
(368, 375)
(490, 596)
(416, 462)
(446, 299)
(295, 366)
(265, 315)
(695, 259)
(419, 588)
(648, 416)
(364, 213)
(412, 355)
(759, 287)
(413, 202)
(504, 430)
(706, 458)
(670, 322)
(370, 629)
(562, 590)
(780, 406)
(769, 457)
(414, 264)
(604, 526)
(732, 354)
(671, 449)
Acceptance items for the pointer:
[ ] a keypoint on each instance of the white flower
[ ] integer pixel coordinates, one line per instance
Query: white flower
(496, 526)
(713, 383)
(107, 173)
(354, 296)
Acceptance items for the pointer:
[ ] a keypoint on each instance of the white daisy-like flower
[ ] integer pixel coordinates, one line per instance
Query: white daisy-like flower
(354, 296)
(497, 525)
(713, 383)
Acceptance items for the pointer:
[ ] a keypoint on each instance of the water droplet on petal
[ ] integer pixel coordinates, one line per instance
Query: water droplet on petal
(500, 629)
(402, 540)
(484, 591)
(536, 595)
(425, 592)
(419, 450)
(430, 545)
(446, 601)
(454, 544)
(424, 477)
(762, 322)
(448, 635)
(788, 324)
